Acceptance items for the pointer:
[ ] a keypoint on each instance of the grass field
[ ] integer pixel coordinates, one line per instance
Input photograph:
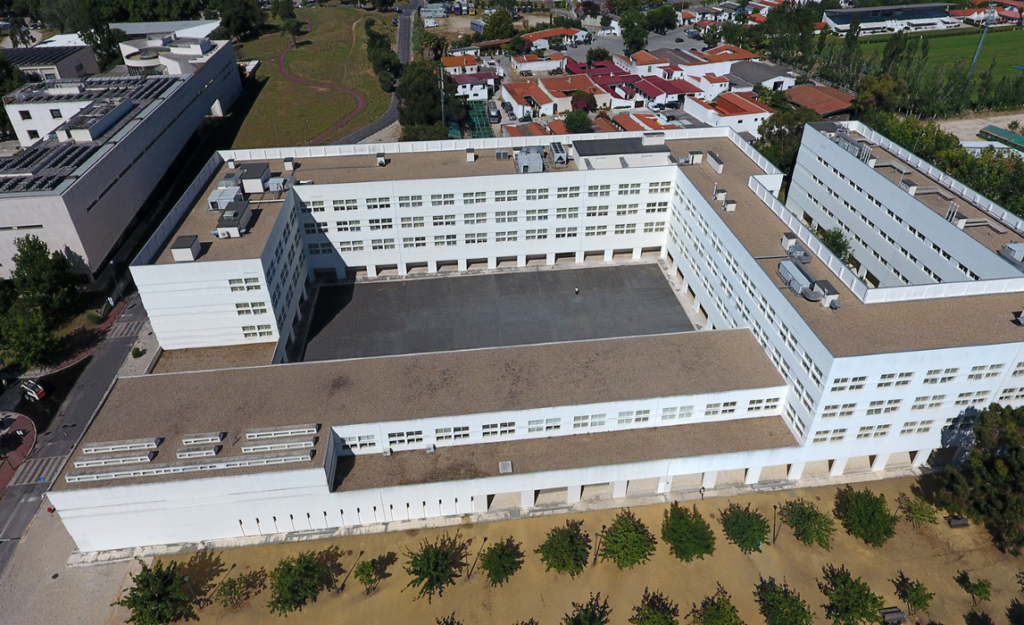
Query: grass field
(333, 52)
(1005, 46)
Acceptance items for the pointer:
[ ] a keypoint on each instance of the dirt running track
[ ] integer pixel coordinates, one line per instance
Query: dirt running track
(360, 100)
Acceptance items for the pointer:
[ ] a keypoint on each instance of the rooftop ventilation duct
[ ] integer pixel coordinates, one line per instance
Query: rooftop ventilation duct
(185, 249)
(716, 162)
(470, 155)
(653, 138)
(381, 160)
(289, 164)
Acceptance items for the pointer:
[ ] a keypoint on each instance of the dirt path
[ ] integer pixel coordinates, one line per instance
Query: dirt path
(360, 100)
(967, 128)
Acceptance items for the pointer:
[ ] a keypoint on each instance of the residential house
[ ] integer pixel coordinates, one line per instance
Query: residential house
(533, 63)
(825, 101)
(756, 73)
(527, 99)
(478, 86)
(458, 65)
(739, 111)
(561, 88)
(540, 38)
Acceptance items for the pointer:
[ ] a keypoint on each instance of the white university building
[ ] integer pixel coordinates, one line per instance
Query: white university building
(800, 366)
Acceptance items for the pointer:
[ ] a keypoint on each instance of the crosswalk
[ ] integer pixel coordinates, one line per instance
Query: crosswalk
(38, 469)
(124, 328)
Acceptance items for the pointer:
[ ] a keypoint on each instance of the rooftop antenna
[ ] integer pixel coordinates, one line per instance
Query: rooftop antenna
(990, 18)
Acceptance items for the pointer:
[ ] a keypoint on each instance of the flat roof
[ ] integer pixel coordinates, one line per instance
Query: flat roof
(856, 328)
(209, 358)
(374, 390)
(611, 147)
(35, 57)
(556, 453)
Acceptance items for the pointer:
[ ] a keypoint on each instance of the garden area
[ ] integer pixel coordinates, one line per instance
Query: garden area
(841, 554)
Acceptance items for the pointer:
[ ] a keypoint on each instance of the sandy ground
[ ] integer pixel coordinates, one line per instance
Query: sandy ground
(29, 594)
(933, 555)
(454, 26)
(967, 128)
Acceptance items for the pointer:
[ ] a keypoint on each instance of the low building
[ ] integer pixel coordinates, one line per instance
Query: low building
(560, 89)
(438, 10)
(53, 62)
(826, 101)
(739, 111)
(759, 74)
(891, 18)
(527, 99)
(186, 29)
(554, 62)
(478, 86)
(540, 39)
(477, 26)
(533, 129)
(458, 65)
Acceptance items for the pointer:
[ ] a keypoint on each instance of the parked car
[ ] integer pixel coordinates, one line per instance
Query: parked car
(694, 34)
(680, 40)
(507, 106)
(526, 118)
(32, 390)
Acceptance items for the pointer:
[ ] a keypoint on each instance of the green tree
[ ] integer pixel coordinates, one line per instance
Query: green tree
(581, 100)
(980, 590)
(606, 21)
(780, 605)
(578, 121)
(294, 581)
(634, 30)
(382, 5)
(158, 595)
(686, 533)
(837, 243)
(419, 96)
(662, 19)
(435, 566)
(713, 35)
(655, 609)
(44, 279)
(916, 510)
(282, 9)
(716, 609)
(849, 601)
(27, 337)
(104, 41)
(781, 134)
(566, 549)
(598, 54)
(627, 541)
(434, 132)
(19, 33)
(913, 593)
(880, 93)
(744, 527)
(366, 574)
(593, 612)
(500, 25)
(11, 79)
(233, 592)
(866, 515)
(809, 524)
(502, 560)
(241, 18)
(294, 27)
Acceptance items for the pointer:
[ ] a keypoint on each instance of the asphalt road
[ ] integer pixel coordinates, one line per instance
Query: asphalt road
(20, 503)
(404, 55)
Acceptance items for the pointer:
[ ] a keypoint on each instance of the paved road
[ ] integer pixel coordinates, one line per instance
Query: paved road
(20, 503)
(404, 55)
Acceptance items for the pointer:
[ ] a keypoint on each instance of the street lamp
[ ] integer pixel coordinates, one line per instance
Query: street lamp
(775, 532)
(194, 598)
(597, 547)
(307, 132)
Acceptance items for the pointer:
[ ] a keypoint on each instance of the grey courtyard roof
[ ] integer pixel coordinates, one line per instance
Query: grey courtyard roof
(755, 72)
(153, 28)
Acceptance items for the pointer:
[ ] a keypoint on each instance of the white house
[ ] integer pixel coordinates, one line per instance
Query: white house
(739, 111)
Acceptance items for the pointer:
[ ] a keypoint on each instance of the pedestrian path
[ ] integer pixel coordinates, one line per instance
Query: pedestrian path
(124, 328)
(38, 470)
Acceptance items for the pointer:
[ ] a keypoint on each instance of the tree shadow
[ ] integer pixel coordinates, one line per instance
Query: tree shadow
(978, 618)
(303, 43)
(201, 570)
(381, 564)
(842, 500)
(1015, 613)
(329, 560)
(458, 547)
(928, 487)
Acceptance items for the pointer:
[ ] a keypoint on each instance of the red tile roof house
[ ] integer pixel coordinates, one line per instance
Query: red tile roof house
(527, 97)
(533, 129)
(739, 111)
(561, 88)
(535, 64)
(825, 101)
(458, 65)
(641, 63)
(540, 38)
(478, 86)
(603, 125)
(657, 90)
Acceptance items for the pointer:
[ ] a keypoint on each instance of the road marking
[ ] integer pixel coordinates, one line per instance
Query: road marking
(124, 328)
(37, 470)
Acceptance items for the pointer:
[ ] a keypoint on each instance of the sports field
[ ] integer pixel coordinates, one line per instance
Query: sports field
(1005, 46)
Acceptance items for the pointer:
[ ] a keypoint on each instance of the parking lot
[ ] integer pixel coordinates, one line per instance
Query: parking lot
(654, 41)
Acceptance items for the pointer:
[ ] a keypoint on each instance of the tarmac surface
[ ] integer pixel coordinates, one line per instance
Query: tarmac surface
(494, 310)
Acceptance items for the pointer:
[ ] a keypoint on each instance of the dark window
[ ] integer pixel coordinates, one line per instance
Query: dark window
(25, 114)
(33, 134)
(55, 113)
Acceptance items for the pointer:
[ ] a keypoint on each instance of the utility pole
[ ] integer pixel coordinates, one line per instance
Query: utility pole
(440, 78)
(990, 18)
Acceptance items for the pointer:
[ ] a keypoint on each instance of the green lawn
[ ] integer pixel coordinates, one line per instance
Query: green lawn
(332, 53)
(1005, 46)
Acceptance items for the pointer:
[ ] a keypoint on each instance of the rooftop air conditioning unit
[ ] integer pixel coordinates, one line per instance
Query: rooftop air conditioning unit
(289, 164)
(381, 160)
(470, 155)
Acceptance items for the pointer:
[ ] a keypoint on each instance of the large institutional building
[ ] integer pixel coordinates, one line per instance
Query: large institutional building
(802, 364)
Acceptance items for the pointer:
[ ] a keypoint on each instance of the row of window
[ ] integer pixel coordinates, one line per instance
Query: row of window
(933, 376)
(251, 332)
(251, 308)
(872, 431)
(244, 284)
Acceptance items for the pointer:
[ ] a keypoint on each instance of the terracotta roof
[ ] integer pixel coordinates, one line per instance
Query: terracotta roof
(627, 123)
(686, 15)
(966, 12)
(715, 79)
(603, 125)
(551, 32)
(820, 25)
(555, 56)
(727, 52)
(469, 79)
(467, 60)
(646, 58)
(822, 100)
(760, 19)
(741, 103)
(519, 91)
(706, 23)
(557, 127)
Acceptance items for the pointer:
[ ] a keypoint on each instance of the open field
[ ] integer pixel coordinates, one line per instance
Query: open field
(1005, 46)
(333, 52)
(933, 555)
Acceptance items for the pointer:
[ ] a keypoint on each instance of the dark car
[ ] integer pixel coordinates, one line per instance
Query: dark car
(680, 40)
(507, 106)
(526, 118)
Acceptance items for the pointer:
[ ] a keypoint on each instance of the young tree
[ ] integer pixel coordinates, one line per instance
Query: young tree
(578, 121)
(366, 573)
(687, 534)
(836, 242)
(980, 590)
(44, 279)
(598, 54)
(849, 601)
(566, 549)
(716, 609)
(581, 100)
(158, 596)
(294, 581)
(781, 606)
(501, 561)
(27, 337)
(294, 27)
(655, 609)
(435, 566)
(809, 524)
(866, 515)
(282, 9)
(233, 592)
(627, 541)
(499, 26)
(744, 527)
(634, 30)
(593, 612)
(913, 593)
(916, 510)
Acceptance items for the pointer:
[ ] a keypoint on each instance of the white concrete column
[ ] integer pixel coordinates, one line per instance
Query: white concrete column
(371, 271)
(619, 489)
(920, 457)
(663, 253)
(796, 471)
(573, 494)
(521, 260)
(664, 485)
(637, 251)
(579, 258)
(608, 255)
(708, 479)
(837, 467)
(479, 503)
(752, 476)
(402, 269)
(878, 462)
(492, 262)
(462, 264)
(550, 260)
(527, 499)
(432, 266)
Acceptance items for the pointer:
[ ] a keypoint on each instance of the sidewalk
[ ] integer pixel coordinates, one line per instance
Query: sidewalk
(17, 457)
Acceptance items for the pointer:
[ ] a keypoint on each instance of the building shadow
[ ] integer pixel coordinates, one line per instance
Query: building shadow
(331, 300)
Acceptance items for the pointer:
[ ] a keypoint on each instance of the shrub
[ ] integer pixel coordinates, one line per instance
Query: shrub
(716, 609)
(566, 549)
(980, 590)
(138, 353)
(294, 581)
(627, 542)
(916, 510)
(781, 606)
(866, 515)
(233, 592)
(158, 595)
(93, 318)
(501, 561)
(655, 609)
(850, 601)
(912, 593)
(687, 534)
(435, 566)
(593, 612)
(744, 527)
(366, 574)
(809, 524)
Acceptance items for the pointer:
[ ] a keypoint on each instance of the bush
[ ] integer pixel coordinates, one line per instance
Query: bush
(627, 542)
(435, 566)
(687, 534)
(366, 573)
(138, 353)
(744, 527)
(781, 606)
(93, 318)
(866, 515)
(912, 593)
(233, 592)
(655, 609)
(809, 524)
(501, 561)
(716, 609)
(850, 601)
(566, 549)
(294, 581)
(158, 595)
(916, 510)
(593, 612)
